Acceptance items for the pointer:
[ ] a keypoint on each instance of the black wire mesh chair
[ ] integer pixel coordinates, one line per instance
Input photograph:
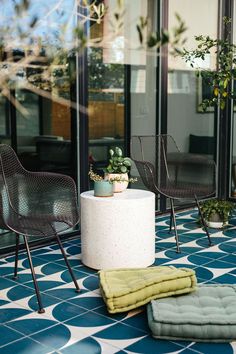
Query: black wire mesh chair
(178, 176)
(35, 204)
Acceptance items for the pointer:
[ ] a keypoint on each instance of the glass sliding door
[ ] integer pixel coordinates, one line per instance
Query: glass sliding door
(193, 130)
(43, 126)
(232, 181)
(143, 80)
(106, 77)
(122, 82)
(39, 125)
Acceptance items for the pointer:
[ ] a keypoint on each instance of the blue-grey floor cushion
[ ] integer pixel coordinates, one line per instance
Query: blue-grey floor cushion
(208, 314)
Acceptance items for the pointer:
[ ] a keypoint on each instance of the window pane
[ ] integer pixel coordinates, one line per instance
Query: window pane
(193, 130)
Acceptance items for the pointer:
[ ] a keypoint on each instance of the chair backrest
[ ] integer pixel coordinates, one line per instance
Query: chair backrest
(154, 150)
(168, 164)
(182, 168)
(11, 171)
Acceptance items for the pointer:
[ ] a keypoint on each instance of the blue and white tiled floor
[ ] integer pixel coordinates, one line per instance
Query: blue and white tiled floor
(79, 323)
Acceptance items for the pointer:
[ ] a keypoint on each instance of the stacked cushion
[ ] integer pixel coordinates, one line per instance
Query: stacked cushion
(126, 289)
(208, 314)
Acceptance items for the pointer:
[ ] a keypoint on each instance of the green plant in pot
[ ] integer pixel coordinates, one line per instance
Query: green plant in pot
(217, 212)
(102, 187)
(219, 80)
(118, 169)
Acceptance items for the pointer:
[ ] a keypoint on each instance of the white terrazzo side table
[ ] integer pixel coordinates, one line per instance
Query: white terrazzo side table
(118, 231)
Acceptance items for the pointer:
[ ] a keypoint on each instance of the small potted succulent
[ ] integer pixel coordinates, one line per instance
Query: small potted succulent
(217, 212)
(102, 187)
(117, 170)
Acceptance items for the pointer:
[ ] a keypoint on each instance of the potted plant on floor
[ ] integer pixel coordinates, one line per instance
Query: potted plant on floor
(117, 170)
(217, 212)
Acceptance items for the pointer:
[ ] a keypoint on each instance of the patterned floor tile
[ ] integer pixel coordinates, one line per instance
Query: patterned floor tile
(120, 335)
(149, 345)
(79, 322)
(6, 269)
(12, 311)
(32, 302)
(225, 279)
(138, 321)
(65, 310)
(90, 320)
(216, 348)
(31, 325)
(54, 337)
(19, 292)
(24, 277)
(8, 335)
(62, 294)
(6, 283)
(89, 345)
(116, 317)
(25, 346)
(45, 284)
(90, 301)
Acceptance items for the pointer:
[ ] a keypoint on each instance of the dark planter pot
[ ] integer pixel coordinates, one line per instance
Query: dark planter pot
(216, 221)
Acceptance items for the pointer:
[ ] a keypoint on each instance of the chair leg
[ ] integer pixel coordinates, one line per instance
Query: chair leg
(203, 221)
(171, 220)
(16, 256)
(67, 263)
(41, 309)
(175, 227)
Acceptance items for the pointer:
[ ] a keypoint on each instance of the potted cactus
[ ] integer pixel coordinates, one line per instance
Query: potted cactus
(117, 170)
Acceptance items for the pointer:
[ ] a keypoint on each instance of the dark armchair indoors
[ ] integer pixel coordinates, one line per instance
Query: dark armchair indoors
(35, 204)
(178, 176)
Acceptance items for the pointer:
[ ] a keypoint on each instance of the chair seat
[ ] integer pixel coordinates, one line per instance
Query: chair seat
(187, 190)
(41, 226)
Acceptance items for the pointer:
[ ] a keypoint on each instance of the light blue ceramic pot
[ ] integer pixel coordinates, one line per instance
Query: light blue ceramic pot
(103, 189)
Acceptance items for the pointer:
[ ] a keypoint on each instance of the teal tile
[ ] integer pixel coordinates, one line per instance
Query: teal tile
(210, 348)
(10, 314)
(120, 332)
(32, 325)
(149, 345)
(63, 293)
(90, 319)
(65, 310)
(25, 346)
(6, 283)
(8, 335)
(88, 302)
(54, 337)
(18, 292)
(88, 345)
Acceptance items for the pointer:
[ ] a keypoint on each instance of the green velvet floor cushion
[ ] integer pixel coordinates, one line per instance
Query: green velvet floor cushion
(126, 289)
(208, 314)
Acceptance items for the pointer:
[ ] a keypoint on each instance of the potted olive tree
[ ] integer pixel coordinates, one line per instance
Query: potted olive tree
(217, 212)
